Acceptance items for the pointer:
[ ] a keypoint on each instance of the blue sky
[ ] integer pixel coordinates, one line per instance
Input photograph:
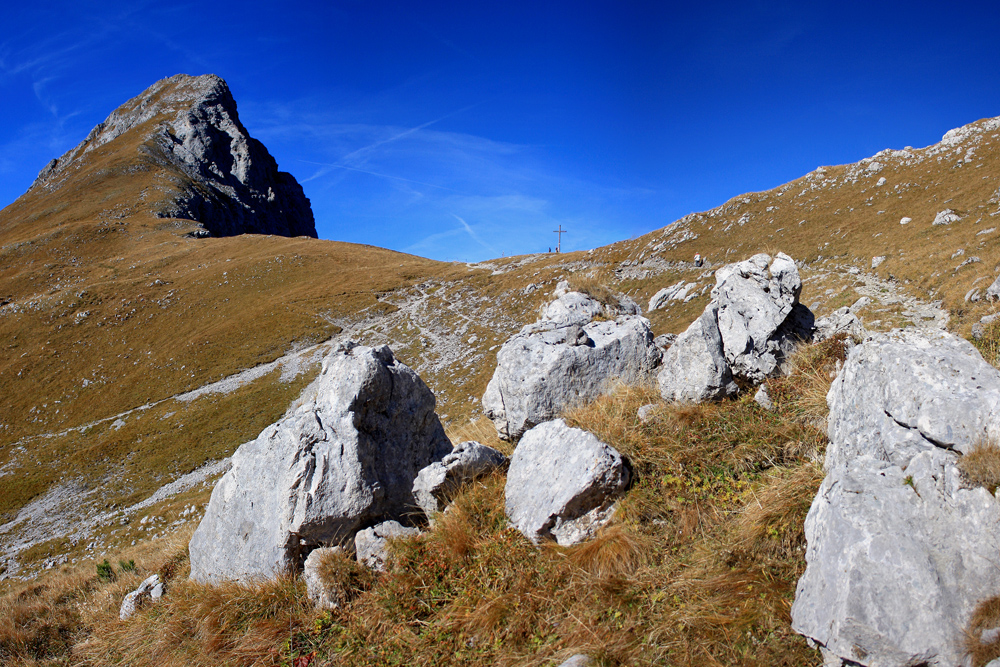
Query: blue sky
(463, 131)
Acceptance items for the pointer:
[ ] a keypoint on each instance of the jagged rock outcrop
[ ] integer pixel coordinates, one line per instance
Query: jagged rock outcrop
(224, 178)
(900, 547)
(562, 483)
(437, 484)
(345, 457)
(748, 329)
(567, 358)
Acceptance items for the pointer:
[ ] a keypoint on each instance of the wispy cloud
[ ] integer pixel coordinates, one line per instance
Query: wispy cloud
(472, 233)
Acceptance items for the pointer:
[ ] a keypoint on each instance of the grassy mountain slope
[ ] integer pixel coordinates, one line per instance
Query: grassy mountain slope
(126, 346)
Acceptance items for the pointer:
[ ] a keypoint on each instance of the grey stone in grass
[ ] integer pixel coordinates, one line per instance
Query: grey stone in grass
(900, 549)
(317, 588)
(694, 368)
(763, 399)
(562, 483)
(437, 484)
(149, 590)
(370, 544)
(344, 456)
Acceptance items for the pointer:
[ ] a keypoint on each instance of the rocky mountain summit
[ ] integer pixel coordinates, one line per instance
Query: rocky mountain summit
(226, 179)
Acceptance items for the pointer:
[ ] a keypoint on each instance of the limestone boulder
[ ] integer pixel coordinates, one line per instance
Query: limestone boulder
(993, 291)
(316, 572)
(565, 359)
(898, 557)
(900, 547)
(755, 298)
(344, 456)
(437, 484)
(562, 483)
(901, 393)
(371, 544)
(841, 321)
(694, 368)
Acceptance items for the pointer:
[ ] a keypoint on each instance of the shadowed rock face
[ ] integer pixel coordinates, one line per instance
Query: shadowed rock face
(230, 183)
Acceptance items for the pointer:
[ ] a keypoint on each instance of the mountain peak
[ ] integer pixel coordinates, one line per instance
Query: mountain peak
(223, 178)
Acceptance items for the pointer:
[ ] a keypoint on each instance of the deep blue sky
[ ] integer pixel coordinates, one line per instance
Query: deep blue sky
(464, 131)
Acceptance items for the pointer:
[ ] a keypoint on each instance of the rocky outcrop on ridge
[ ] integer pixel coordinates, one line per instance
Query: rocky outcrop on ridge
(189, 124)
(344, 458)
(901, 547)
(562, 483)
(748, 329)
(565, 358)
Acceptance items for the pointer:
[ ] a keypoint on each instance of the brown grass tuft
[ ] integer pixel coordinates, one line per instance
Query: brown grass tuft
(981, 466)
(985, 617)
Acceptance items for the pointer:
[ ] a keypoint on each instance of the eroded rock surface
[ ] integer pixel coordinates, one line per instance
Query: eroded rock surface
(567, 358)
(346, 456)
(562, 483)
(149, 590)
(900, 547)
(695, 367)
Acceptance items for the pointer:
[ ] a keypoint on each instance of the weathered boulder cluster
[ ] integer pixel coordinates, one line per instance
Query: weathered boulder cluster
(362, 457)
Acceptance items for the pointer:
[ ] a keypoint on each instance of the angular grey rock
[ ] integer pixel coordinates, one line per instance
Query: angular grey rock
(225, 179)
(318, 589)
(877, 261)
(565, 359)
(370, 543)
(148, 590)
(945, 217)
(695, 367)
(578, 660)
(437, 484)
(562, 483)
(859, 304)
(660, 299)
(841, 321)
(754, 301)
(905, 392)
(979, 328)
(664, 341)
(887, 582)
(346, 455)
(993, 291)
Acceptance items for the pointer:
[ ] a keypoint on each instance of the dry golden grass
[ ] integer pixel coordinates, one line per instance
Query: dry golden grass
(981, 465)
(699, 567)
(986, 616)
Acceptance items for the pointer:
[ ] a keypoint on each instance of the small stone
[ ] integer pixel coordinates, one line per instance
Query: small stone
(647, 413)
(150, 589)
(763, 399)
(438, 483)
(370, 544)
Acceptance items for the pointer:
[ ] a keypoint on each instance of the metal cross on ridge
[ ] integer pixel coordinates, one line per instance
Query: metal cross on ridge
(560, 232)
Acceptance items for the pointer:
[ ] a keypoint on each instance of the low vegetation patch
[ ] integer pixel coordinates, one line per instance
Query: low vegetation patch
(699, 567)
(981, 465)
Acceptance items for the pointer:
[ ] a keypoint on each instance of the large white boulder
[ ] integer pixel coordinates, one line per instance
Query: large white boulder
(558, 362)
(900, 547)
(562, 483)
(345, 457)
